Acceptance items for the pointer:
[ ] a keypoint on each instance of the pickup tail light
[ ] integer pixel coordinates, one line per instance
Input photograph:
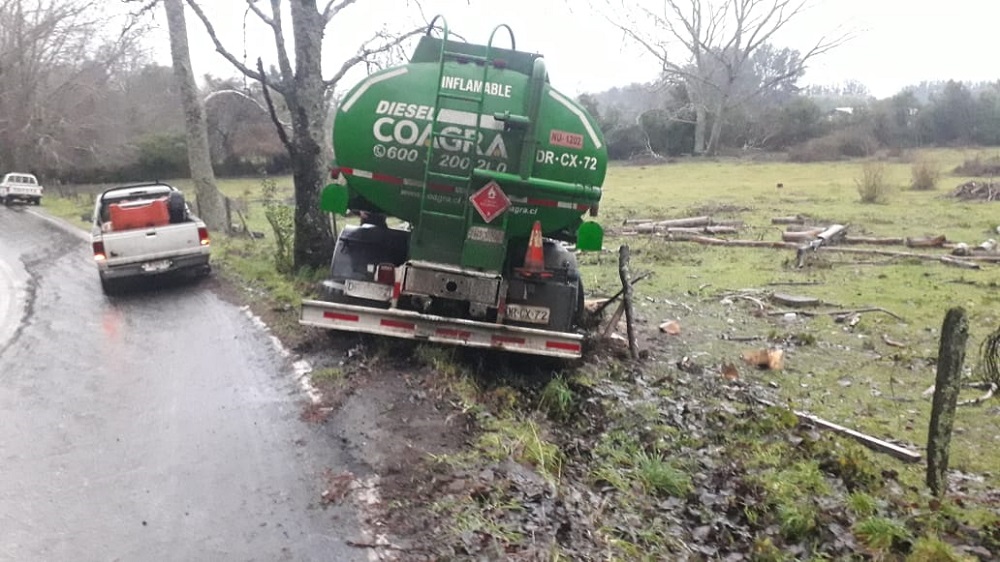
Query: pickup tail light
(99, 254)
(385, 273)
(203, 236)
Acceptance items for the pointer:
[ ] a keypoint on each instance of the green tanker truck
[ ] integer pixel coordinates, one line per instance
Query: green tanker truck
(491, 171)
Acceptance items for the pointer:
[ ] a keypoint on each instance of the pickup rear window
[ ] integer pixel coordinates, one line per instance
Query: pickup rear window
(25, 180)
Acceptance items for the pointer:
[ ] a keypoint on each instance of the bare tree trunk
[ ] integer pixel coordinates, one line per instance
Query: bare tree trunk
(715, 136)
(700, 116)
(313, 235)
(211, 205)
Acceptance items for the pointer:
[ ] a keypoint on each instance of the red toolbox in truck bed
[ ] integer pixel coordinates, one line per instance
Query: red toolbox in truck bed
(139, 214)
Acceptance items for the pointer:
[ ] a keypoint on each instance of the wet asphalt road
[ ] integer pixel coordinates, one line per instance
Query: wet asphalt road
(159, 425)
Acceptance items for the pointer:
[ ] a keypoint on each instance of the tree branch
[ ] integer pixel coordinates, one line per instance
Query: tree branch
(365, 52)
(219, 48)
(282, 134)
(332, 9)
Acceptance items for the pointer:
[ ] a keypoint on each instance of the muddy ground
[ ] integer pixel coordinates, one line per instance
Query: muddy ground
(460, 457)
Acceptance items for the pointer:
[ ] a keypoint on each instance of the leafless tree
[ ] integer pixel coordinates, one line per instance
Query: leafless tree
(305, 93)
(709, 46)
(211, 204)
(58, 60)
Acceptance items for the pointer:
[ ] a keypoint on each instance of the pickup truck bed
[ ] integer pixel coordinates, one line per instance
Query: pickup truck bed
(135, 235)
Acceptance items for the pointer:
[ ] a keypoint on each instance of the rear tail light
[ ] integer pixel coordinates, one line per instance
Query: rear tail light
(99, 253)
(385, 274)
(203, 236)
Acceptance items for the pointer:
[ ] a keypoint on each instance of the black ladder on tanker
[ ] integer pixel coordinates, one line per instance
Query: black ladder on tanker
(460, 177)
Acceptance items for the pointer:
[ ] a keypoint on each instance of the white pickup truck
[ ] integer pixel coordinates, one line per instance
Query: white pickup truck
(146, 230)
(20, 187)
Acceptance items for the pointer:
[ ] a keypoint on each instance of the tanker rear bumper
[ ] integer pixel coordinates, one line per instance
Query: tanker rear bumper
(425, 327)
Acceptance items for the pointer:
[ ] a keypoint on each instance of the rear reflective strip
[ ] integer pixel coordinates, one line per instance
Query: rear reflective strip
(507, 339)
(341, 316)
(397, 324)
(562, 345)
(387, 179)
(452, 333)
(543, 202)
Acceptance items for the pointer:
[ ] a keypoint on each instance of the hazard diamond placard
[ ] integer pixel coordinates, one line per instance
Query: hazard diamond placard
(490, 201)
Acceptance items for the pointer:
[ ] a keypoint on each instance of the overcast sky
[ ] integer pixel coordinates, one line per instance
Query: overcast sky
(896, 42)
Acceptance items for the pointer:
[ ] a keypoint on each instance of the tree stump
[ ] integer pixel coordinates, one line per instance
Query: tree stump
(623, 259)
(951, 355)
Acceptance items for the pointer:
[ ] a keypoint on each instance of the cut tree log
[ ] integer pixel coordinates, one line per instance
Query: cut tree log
(689, 221)
(832, 233)
(873, 241)
(800, 235)
(948, 260)
(873, 443)
(934, 242)
(653, 228)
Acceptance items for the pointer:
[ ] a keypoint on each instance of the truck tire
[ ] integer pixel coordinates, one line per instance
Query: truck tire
(176, 208)
(110, 287)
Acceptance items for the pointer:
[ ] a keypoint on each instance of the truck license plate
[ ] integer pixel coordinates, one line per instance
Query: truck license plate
(154, 266)
(526, 313)
(367, 290)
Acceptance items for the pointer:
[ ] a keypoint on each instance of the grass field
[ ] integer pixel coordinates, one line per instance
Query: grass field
(846, 375)
(850, 376)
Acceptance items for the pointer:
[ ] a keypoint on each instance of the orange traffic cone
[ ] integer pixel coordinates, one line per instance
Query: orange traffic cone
(534, 259)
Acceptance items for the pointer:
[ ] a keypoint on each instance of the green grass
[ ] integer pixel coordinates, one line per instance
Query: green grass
(885, 383)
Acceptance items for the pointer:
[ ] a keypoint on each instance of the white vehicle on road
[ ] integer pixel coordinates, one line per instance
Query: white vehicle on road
(20, 187)
(146, 230)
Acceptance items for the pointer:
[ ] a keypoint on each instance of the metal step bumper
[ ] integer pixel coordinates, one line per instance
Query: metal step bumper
(415, 326)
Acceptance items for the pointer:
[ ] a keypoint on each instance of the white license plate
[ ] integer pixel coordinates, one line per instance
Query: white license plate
(526, 313)
(154, 266)
(367, 290)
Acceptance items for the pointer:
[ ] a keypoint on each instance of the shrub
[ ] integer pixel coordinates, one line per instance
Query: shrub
(925, 175)
(872, 186)
(979, 167)
(852, 142)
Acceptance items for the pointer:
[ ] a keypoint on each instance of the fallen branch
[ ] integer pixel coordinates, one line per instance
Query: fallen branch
(948, 260)
(873, 241)
(981, 399)
(873, 443)
(657, 229)
(794, 300)
(838, 312)
(620, 292)
(709, 241)
(891, 342)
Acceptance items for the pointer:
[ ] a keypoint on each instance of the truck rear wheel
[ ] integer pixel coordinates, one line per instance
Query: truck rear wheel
(109, 287)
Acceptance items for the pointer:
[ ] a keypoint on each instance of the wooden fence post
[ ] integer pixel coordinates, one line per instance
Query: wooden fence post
(623, 259)
(951, 355)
